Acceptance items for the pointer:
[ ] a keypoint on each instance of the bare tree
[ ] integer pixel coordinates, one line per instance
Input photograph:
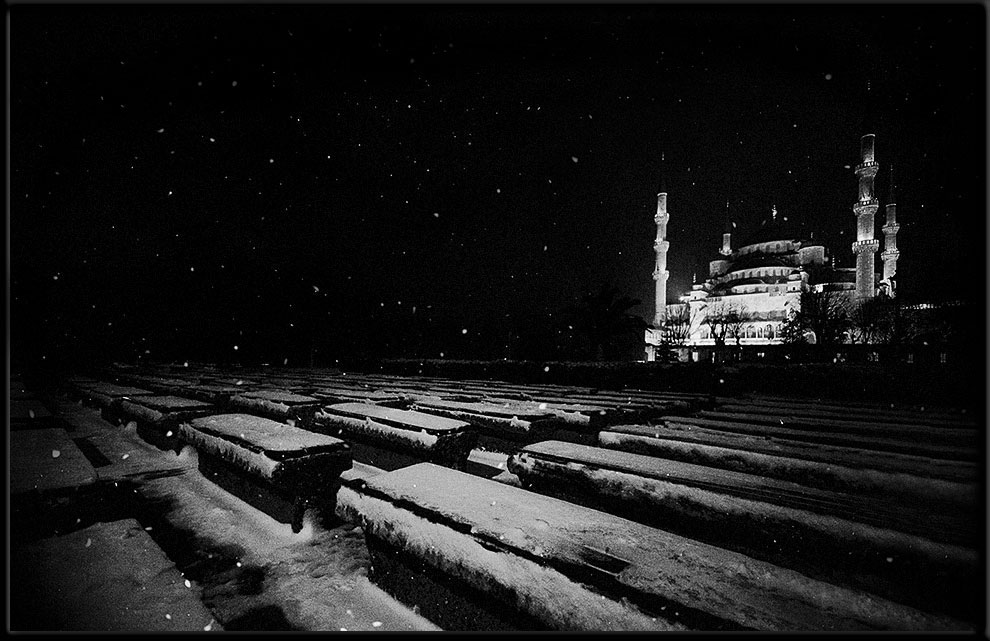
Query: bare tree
(737, 317)
(678, 325)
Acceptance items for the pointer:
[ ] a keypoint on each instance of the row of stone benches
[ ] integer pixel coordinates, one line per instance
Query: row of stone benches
(296, 468)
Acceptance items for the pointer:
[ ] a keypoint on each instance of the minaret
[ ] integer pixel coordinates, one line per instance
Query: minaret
(660, 246)
(865, 209)
(727, 234)
(890, 252)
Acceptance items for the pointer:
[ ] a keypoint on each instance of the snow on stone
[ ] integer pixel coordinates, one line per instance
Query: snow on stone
(725, 583)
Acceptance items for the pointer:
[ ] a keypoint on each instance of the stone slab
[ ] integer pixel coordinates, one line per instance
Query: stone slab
(109, 577)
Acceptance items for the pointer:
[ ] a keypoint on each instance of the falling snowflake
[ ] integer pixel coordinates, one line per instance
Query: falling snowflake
(574, 158)
(124, 457)
(188, 583)
(376, 624)
(56, 454)
(209, 626)
(464, 331)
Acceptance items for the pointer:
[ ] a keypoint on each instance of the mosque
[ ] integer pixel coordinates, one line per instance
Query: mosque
(756, 286)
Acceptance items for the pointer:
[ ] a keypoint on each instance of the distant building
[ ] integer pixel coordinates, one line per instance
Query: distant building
(756, 286)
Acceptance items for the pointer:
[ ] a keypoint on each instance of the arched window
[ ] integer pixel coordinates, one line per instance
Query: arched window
(769, 333)
(759, 332)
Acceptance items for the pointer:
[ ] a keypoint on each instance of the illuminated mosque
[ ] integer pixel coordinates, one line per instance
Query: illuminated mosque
(761, 281)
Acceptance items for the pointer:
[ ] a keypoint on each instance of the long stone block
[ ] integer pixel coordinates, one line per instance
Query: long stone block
(837, 469)
(110, 577)
(827, 535)
(514, 425)
(709, 433)
(424, 436)
(276, 404)
(535, 562)
(278, 468)
(866, 442)
(158, 417)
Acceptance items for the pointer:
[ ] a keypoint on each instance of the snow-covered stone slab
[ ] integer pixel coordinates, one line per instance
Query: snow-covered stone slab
(346, 394)
(895, 431)
(890, 411)
(814, 409)
(874, 443)
(276, 404)
(158, 417)
(839, 469)
(578, 415)
(214, 393)
(107, 396)
(425, 436)
(161, 384)
(47, 460)
(831, 536)
(525, 425)
(109, 577)
(541, 563)
(710, 432)
(276, 467)
(29, 413)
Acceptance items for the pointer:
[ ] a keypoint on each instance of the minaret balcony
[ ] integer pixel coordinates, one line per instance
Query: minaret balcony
(661, 218)
(867, 163)
(890, 254)
(661, 245)
(658, 275)
(890, 228)
(866, 207)
(861, 246)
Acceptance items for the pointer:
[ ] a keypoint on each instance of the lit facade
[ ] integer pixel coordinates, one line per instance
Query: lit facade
(752, 290)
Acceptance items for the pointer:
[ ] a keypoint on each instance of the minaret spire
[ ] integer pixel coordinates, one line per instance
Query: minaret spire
(727, 233)
(865, 209)
(890, 253)
(660, 246)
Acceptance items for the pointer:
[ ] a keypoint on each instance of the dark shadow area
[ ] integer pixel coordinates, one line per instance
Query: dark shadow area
(263, 619)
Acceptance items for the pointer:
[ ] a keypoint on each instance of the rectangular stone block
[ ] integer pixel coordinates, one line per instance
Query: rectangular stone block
(535, 562)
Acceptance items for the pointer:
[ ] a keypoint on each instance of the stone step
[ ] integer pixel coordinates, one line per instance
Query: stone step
(506, 558)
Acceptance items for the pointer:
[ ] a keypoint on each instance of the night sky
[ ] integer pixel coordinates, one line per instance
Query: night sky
(242, 182)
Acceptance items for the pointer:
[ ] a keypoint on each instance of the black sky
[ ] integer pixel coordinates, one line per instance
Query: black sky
(184, 179)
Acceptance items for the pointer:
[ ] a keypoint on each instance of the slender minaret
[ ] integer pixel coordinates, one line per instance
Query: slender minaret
(865, 209)
(660, 246)
(890, 252)
(727, 234)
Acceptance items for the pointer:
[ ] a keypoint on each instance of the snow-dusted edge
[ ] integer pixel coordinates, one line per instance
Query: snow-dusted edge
(539, 591)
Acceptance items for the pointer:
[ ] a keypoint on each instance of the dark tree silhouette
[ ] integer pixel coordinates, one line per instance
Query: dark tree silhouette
(822, 318)
(604, 317)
